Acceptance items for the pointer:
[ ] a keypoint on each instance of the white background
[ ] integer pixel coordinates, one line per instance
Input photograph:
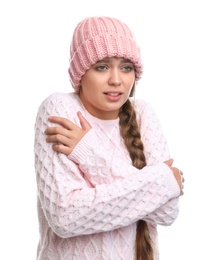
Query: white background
(179, 42)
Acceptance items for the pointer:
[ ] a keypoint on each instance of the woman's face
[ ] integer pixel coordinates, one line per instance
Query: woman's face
(106, 86)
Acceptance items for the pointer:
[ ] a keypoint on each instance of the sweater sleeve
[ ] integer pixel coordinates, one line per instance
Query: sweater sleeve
(100, 166)
(156, 150)
(166, 214)
(106, 166)
(152, 134)
(72, 206)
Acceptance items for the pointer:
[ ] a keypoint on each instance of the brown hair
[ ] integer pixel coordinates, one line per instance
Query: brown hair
(129, 130)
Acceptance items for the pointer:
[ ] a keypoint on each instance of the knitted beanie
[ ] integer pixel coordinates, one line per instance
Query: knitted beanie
(96, 38)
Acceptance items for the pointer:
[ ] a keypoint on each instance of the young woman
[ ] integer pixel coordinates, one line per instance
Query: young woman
(104, 173)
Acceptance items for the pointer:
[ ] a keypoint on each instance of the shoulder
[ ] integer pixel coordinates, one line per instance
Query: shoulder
(142, 107)
(60, 97)
(60, 100)
(60, 104)
(145, 113)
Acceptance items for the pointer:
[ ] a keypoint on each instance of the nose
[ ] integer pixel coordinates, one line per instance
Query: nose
(114, 78)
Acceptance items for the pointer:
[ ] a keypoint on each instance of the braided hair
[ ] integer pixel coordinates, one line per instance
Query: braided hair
(129, 131)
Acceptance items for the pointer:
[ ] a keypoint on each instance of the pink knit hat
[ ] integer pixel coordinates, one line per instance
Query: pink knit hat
(96, 38)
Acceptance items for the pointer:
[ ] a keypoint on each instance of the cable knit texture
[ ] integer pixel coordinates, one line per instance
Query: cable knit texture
(89, 202)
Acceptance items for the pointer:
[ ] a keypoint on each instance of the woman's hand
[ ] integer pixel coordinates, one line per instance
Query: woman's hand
(178, 174)
(66, 136)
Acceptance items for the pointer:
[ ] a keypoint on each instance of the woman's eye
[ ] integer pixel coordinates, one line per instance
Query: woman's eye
(127, 68)
(100, 68)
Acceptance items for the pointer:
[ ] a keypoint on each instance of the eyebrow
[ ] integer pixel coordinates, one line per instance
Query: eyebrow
(123, 60)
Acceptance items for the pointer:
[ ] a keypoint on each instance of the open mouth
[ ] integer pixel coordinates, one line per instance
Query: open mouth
(112, 94)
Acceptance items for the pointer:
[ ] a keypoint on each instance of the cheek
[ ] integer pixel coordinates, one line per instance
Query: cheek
(131, 83)
(131, 87)
(130, 79)
(89, 82)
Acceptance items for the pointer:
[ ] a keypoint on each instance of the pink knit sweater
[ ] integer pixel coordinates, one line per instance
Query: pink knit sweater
(90, 201)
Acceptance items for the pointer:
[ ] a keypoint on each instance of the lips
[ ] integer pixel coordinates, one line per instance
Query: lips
(112, 94)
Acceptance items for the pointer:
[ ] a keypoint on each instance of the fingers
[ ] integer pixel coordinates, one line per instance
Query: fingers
(61, 144)
(66, 123)
(67, 135)
(84, 123)
(57, 131)
(57, 138)
(182, 180)
(61, 148)
(178, 174)
(169, 162)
